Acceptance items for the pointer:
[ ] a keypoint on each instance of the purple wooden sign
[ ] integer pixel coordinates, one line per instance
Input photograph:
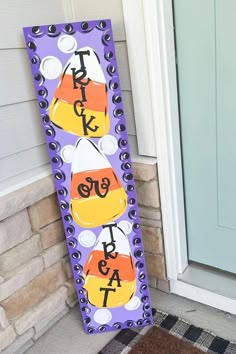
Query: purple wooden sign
(78, 90)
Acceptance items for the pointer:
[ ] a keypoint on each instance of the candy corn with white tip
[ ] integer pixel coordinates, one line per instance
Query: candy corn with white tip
(97, 195)
(109, 272)
(80, 103)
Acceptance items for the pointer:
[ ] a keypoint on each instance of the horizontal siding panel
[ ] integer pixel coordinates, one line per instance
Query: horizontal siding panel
(22, 123)
(16, 14)
(123, 65)
(16, 83)
(133, 145)
(27, 160)
(23, 161)
(129, 112)
(85, 10)
(24, 155)
(19, 181)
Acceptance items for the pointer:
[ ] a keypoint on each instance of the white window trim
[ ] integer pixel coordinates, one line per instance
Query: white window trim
(158, 28)
(139, 76)
(164, 106)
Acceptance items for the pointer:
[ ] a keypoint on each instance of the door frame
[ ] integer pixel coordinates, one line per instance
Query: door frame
(159, 46)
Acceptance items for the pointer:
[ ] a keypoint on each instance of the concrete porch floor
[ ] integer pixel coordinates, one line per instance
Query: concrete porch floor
(67, 335)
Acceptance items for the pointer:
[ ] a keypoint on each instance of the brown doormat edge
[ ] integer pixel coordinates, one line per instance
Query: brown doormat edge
(159, 341)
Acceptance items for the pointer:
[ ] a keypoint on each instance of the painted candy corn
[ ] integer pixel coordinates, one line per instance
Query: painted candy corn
(80, 103)
(97, 195)
(109, 272)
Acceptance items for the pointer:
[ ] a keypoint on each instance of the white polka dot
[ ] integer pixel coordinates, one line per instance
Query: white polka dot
(67, 153)
(133, 304)
(108, 144)
(102, 316)
(67, 44)
(51, 67)
(87, 238)
(126, 226)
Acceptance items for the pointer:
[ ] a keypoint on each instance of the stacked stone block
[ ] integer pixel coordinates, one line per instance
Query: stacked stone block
(147, 188)
(36, 283)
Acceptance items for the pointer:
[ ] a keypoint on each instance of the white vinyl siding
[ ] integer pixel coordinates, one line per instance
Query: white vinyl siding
(23, 153)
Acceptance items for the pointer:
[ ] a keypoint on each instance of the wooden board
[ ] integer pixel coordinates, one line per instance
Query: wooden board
(74, 69)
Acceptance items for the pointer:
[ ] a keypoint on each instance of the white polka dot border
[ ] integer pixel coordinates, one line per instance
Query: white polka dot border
(51, 67)
(102, 316)
(108, 145)
(133, 304)
(87, 238)
(67, 153)
(67, 44)
(125, 226)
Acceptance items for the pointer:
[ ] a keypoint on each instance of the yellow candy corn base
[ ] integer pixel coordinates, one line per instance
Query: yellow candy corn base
(62, 114)
(120, 297)
(94, 211)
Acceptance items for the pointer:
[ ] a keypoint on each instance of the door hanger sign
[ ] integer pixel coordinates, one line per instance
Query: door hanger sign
(77, 85)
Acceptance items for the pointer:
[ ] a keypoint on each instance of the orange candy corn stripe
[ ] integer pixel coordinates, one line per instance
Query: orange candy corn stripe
(95, 93)
(121, 262)
(89, 183)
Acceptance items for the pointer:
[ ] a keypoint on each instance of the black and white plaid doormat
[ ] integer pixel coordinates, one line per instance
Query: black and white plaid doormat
(206, 341)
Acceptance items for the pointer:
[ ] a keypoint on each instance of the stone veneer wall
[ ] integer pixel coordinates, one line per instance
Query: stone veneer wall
(36, 285)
